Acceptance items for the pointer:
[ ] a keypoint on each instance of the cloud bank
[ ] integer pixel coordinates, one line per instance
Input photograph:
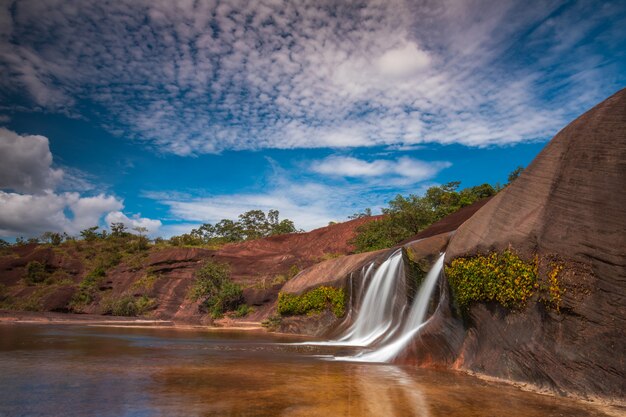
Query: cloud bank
(29, 203)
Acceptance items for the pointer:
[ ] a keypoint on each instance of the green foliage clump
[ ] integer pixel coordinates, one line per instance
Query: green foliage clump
(515, 174)
(243, 310)
(214, 286)
(130, 306)
(314, 301)
(407, 216)
(35, 272)
(88, 287)
(501, 277)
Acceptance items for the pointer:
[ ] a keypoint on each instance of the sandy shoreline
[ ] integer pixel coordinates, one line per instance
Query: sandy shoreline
(28, 317)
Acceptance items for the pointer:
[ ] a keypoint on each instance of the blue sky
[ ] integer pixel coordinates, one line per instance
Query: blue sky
(169, 114)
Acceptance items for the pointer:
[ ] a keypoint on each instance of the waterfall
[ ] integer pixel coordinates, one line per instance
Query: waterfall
(414, 322)
(377, 313)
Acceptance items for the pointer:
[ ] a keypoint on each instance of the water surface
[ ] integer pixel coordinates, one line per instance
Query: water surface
(77, 370)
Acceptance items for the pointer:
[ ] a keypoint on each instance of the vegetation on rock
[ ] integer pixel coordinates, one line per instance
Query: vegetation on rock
(217, 291)
(501, 277)
(407, 216)
(129, 305)
(314, 301)
(35, 272)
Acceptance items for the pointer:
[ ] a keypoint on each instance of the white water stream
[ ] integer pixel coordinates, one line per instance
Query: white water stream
(414, 322)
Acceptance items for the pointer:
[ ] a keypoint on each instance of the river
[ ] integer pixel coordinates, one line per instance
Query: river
(80, 370)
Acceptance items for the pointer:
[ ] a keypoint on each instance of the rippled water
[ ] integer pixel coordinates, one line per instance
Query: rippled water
(71, 370)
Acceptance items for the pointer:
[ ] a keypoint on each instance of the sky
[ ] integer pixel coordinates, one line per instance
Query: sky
(167, 115)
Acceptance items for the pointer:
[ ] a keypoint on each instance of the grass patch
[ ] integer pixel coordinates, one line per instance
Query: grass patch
(281, 279)
(129, 306)
(145, 283)
(35, 273)
(314, 301)
(243, 310)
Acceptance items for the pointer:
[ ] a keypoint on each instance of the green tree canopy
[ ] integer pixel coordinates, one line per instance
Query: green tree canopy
(407, 216)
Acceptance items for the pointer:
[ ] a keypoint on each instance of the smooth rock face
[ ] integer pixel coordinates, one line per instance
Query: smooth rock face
(570, 203)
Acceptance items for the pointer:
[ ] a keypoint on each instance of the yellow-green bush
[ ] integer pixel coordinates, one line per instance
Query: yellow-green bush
(555, 290)
(314, 301)
(501, 277)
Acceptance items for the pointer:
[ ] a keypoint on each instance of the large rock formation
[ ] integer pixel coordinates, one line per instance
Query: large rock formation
(568, 205)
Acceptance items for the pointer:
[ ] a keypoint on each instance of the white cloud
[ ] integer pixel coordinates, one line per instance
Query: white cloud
(308, 202)
(409, 169)
(31, 215)
(35, 206)
(404, 61)
(201, 77)
(307, 212)
(152, 226)
(26, 163)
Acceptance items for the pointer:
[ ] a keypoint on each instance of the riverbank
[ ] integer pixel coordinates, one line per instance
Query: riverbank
(19, 317)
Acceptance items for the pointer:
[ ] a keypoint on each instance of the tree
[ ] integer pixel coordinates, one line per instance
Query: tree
(515, 174)
(407, 216)
(91, 234)
(229, 230)
(255, 224)
(53, 238)
(283, 227)
(118, 229)
(359, 214)
(140, 230)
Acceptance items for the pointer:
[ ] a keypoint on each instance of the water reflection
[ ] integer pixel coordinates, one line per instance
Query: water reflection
(86, 371)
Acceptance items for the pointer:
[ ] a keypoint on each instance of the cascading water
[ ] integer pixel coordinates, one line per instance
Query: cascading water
(413, 323)
(378, 311)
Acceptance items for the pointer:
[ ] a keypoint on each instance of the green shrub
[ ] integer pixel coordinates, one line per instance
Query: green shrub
(243, 310)
(130, 306)
(87, 288)
(314, 301)
(501, 277)
(35, 272)
(214, 286)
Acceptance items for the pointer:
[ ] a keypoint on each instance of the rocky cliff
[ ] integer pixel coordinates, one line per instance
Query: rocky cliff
(567, 208)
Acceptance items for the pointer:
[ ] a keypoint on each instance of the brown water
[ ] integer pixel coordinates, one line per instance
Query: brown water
(69, 370)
